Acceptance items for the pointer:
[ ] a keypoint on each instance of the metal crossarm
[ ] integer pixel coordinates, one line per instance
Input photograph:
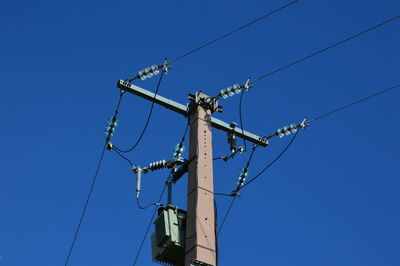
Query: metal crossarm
(148, 95)
(183, 110)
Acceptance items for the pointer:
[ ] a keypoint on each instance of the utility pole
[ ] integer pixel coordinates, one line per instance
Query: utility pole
(200, 223)
(200, 246)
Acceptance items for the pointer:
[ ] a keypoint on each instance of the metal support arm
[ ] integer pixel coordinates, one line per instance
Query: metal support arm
(183, 110)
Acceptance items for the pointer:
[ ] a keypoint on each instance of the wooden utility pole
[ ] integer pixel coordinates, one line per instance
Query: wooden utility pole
(200, 246)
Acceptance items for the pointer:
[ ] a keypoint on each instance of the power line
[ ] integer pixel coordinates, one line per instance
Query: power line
(241, 119)
(109, 131)
(233, 31)
(234, 196)
(147, 121)
(148, 227)
(86, 204)
(289, 145)
(272, 162)
(150, 71)
(353, 103)
(312, 120)
(226, 214)
(325, 49)
(124, 157)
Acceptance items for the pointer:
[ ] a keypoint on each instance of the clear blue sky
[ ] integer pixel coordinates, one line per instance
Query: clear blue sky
(331, 200)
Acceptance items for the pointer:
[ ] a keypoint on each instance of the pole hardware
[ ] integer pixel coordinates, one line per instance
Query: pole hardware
(232, 138)
(138, 171)
(109, 146)
(230, 156)
(166, 164)
(183, 110)
(209, 103)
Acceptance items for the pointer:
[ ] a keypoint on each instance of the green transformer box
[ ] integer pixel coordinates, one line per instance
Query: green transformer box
(168, 240)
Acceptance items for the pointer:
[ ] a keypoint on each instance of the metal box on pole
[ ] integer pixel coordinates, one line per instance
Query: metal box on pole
(168, 240)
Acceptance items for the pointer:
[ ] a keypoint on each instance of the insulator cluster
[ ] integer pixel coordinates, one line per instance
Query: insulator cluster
(148, 72)
(178, 151)
(230, 91)
(242, 177)
(158, 165)
(111, 126)
(233, 144)
(287, 130)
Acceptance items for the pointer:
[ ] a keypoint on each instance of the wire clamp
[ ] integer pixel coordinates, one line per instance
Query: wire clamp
(247, 85)
(235, 194)
(304, 124)
(165, 67)
(109, 146)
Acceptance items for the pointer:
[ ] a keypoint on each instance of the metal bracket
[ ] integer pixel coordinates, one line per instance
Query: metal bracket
(210, 103)
(180, 172)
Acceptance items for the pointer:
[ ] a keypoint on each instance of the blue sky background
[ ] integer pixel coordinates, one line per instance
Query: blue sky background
(331, 200)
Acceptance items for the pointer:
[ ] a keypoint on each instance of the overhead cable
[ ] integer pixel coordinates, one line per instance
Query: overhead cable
(233, 31)
(235, 193)
(148, 228)
(353, 103)
(226, 215)
(240, 88)
(241, 119)
(109, 132)
(326, 48)
(271, 163)
(85, 206)
(147, 121)
(124, 157)
(153, 70)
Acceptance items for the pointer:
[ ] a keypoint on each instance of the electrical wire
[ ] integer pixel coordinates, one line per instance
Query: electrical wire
(148, 227)
(353, 103)
(158, 203)
(241, 119)
(240, 182)
(222, 194)
(325, 49)
(226, 214)
(148, 205)
(147, 121)
(123, 157)
(215, 232)
(289, 145)
(234, 196)
(121, 94)
(85, 206)
(271, 163)
(185, 132)
(232, 32)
